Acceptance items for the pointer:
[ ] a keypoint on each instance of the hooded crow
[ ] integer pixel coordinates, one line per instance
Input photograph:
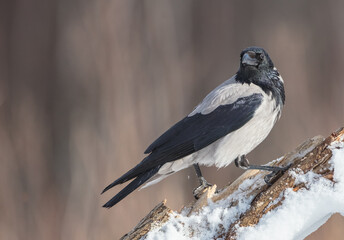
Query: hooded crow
(229, 123)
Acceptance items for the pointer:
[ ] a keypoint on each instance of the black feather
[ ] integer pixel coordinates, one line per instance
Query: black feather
(200, 130)
(132, 173)
(137, 182)
(196, 132)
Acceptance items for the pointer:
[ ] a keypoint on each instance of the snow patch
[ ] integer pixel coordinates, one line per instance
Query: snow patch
(301, 213)
(211, 220)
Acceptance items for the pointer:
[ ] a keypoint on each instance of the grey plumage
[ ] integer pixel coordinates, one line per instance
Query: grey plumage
(230, 122)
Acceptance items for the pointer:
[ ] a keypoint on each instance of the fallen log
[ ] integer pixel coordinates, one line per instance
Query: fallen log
(298, 202)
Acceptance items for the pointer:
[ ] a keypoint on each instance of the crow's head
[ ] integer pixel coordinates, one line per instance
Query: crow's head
(255, 58)
(256, 67)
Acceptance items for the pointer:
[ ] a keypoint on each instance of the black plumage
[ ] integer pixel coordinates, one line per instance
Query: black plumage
(186, 137)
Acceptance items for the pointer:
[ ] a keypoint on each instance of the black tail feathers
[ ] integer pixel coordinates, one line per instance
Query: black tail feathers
(110, 186)
(132, 173)
(137, 182)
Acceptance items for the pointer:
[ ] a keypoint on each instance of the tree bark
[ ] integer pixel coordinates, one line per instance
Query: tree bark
(312, 155)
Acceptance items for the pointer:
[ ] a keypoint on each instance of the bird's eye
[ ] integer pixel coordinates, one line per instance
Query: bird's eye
(261, 56)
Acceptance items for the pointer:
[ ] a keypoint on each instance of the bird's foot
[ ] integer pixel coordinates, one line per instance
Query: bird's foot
(204, 185)
(272, 177)
(276, 172)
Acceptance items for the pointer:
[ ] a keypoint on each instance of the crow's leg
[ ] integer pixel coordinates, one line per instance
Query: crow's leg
(197, 192)
(242, 162)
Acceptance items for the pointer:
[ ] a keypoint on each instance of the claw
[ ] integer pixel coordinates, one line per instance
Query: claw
(269, 177)
(197, 192)
(272, 177)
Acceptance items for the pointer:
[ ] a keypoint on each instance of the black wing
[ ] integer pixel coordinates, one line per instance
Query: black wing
(198, 131)
(192, 134)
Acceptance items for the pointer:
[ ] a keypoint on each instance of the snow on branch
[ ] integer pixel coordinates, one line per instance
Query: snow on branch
(295, 205)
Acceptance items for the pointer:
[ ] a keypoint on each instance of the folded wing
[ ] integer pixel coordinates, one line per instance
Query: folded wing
(190, 135)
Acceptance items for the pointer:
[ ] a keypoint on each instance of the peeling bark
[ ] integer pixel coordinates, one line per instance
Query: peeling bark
(156, 217)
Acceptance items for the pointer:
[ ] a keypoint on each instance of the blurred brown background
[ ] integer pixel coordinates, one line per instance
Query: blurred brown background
(86, 86)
